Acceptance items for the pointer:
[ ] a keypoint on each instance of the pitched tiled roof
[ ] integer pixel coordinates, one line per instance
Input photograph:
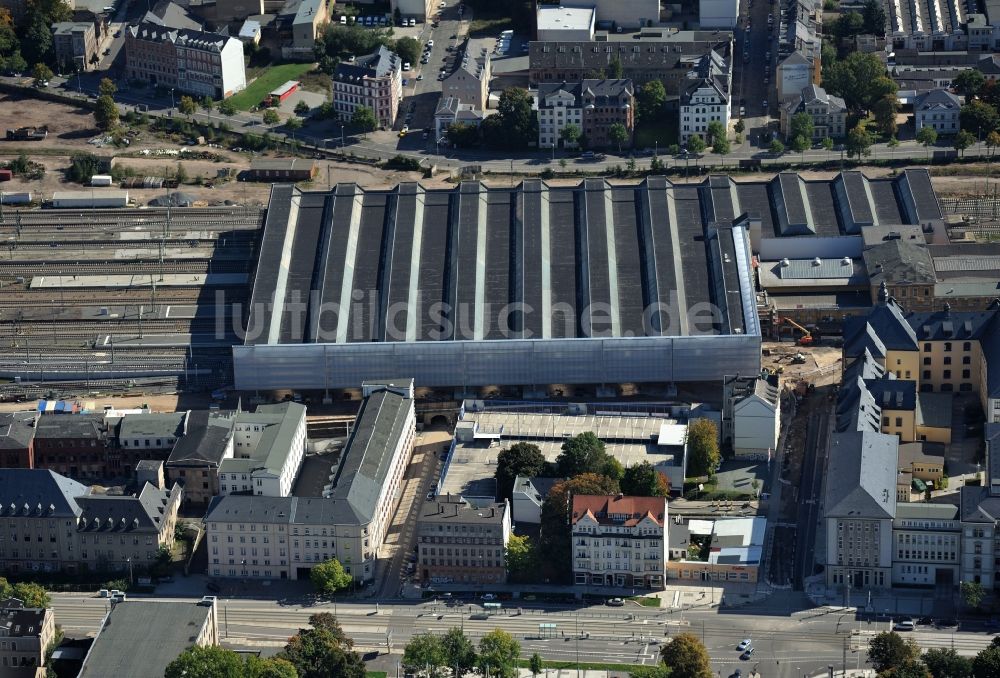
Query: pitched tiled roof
(620, 510)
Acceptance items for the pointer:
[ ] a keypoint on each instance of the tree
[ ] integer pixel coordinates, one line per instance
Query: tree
(424, 654)
(459, 651)
(874, 16)
(888, 649)
(271, 116)
(182, 175)
(261, 667)
(583, 453)
(107, 87)
(339, 41)
(535, 664)
(993, 142)
(946, 663)
(973, 593)
(498, 653)
(848, 25)
(927, 136)
(41, 73)
(740, 126)
(186, 105)
(15, 63)
(827, 143)
(302, 109)
(714, 131)
(293, 124)
(205, 662)
(520, 459)
(979, 117)
(206, 104)
(776, 147)
(463, 135)
(521, 559)
(885, 110)
(105, 113)
(686, 657)
(618, 134)
(364, 119)
(963, 140)
(323, 651)
(986, 664)
(721, 146)
(642, 480)
(615, 70)
(968, 83)
(408, 49)
(801, 125)
(554, 545)
(329, 577)
(36, 41)
(696, 144)
(800, 144)
(650, 100)
(703, 447)
(31, 594)
(913, 668)
(516, 120)
(861, 79)
(570, 135)
(227, 107)
(859, 141)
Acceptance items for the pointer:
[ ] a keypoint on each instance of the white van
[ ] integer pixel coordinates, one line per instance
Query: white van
(343, 20)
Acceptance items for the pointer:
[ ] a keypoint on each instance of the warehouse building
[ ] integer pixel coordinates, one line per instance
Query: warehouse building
(525, 287)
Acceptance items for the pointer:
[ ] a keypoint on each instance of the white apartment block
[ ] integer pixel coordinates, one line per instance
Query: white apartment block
(751, 416)
(283, 537)
(705, 97)
(268, 447)
(619, 540)
(927, 544)
(556, 110)
(193, 62)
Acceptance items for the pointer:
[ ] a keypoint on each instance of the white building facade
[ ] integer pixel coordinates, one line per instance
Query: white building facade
(718, 14)
(268, 446)
(556, 110)
(620, 541)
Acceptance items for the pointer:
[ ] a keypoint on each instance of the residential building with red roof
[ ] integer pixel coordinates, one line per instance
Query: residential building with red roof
(619, 540)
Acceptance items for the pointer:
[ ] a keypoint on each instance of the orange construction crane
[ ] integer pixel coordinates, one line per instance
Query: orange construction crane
(806, 339)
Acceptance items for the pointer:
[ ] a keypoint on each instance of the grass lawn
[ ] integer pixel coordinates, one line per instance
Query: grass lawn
(375, 674)
(273, 77)
(662, 129)
(481, 28)
(647, 601)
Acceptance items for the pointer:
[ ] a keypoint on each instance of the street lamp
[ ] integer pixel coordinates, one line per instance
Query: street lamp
(172, 99)
(129, 561)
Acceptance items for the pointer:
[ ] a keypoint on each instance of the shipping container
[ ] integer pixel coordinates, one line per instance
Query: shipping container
(85, 199)
(6, 175)
(22, 198)
(101, 180)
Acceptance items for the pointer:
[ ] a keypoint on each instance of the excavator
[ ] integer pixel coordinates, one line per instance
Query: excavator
(806, 339)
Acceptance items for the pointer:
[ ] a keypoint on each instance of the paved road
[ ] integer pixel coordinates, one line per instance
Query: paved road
(814, 464)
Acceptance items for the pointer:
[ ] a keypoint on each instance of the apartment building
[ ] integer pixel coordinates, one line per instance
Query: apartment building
(373, 81)
(195, 458)
(268, 446)
(859, 508)
(75, 45)
(828, 112)
(926, 544)
(283, 537)
(751, 415)
(705, 97)
(470, 81)
(594, 106)
(193, 62)
(663, 54)
(460, 542)
(980, 514)
(619, 540)
(72, 444)
(17, 439)
(25, 635)
(51, 523)
(134, 437)
(938, 109)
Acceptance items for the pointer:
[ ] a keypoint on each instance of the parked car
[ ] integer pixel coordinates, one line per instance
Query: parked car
(103, 593)
(616, 602)
(208, 601)
(904, 625)
(746, 642)
(747, 653)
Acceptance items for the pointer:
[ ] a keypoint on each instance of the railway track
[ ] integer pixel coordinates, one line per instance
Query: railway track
(119, 267)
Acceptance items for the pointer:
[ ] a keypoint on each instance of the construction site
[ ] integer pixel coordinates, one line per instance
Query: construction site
(111, 300)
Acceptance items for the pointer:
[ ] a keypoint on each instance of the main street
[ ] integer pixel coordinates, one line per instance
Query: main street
(788, 644)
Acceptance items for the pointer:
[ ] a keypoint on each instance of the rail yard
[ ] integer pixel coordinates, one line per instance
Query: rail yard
(108, 300)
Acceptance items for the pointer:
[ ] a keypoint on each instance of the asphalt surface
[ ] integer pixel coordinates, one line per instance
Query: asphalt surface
(817, 435)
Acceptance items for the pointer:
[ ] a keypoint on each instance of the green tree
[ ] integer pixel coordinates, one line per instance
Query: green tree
(650, 100)
(885, 110)
(302, 109)
(827, 143)
(16, 63)
(849, 25)
(721, 147)
(516, 120)
(323, 650)
(227, 107)
(874, 16)
(271, 117)
(535, 664)
(888, 649)
(261, 667)
(740, 126)
(776, 147)
(182, 175)
(913, 668)
(927, 136)
(107, 87)
(554, 544)
(293, 124)
(859, 141)
(973, 593)
(459, 651)
(463, 135)
(206, 662)
(615, 70)
(801, 125)
(979, 117)
(946, 663)
(41, 73)
(714, 132)
(498, 653)
(105, 113)
(643, 480)
(986, 664)
(861, 79)
(340, 41)
(31, 594)
(696, 144)
(993, 142)
(686, 657)
(521, 559)
(703, 447)
(520, 459)
(800, 144)
(364, 119)
(36, 41)
(329, 577)
(962, 141)
(968, 83)
(570, 135)
(186, 105)
(583, 453)
(206, 104)
(408, 49)
(424, 655)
